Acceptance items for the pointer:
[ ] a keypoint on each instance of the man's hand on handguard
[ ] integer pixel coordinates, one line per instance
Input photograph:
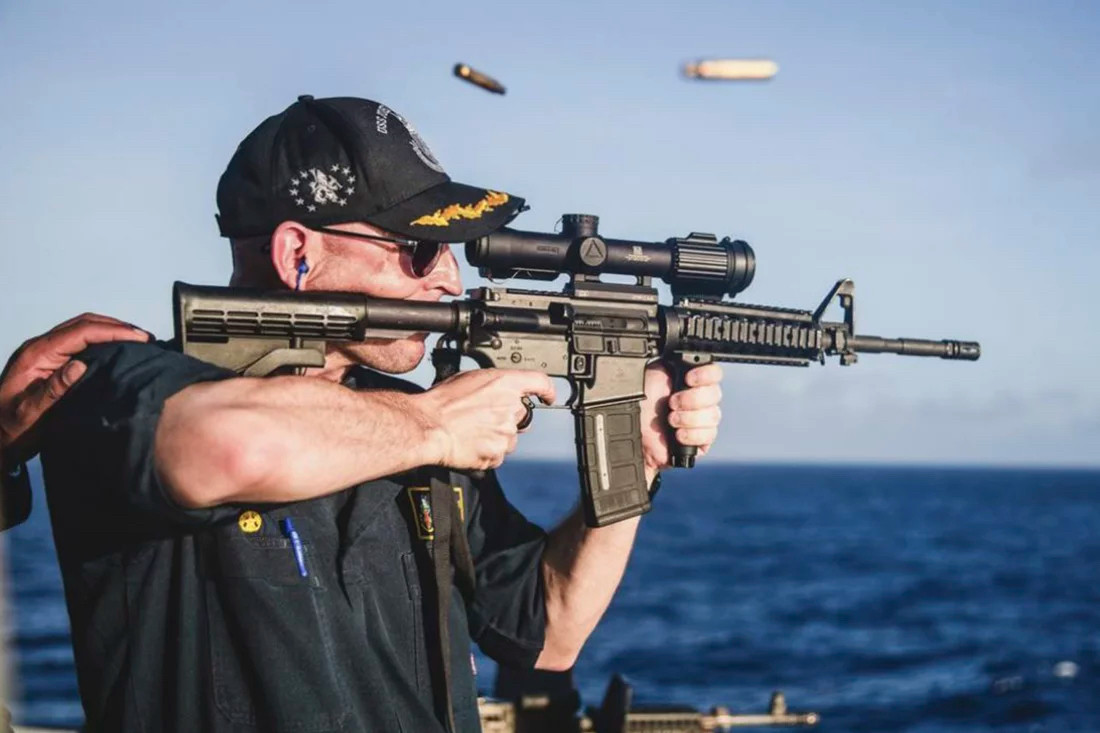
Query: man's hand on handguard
(42, 370)
(694, 412)
(474, 415)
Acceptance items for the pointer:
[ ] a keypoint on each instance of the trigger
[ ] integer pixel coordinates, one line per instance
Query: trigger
(529, 415)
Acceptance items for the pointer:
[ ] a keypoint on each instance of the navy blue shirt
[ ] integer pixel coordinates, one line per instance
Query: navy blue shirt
(201, 620)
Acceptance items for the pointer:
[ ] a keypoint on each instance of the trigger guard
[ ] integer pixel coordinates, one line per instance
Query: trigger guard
(574, 395)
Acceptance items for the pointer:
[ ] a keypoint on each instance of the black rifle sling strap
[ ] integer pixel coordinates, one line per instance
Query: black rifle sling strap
(449, 535)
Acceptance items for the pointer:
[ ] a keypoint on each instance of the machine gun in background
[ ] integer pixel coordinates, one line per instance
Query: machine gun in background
(599, 335)
(555, 710)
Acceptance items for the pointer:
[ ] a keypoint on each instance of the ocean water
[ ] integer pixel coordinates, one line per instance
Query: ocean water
(884, 598)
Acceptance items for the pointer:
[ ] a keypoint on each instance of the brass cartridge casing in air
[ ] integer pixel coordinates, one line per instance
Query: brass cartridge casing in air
(488, 83)
(732, 69)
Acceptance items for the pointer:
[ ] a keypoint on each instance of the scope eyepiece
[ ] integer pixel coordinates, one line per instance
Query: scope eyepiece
(696, 265)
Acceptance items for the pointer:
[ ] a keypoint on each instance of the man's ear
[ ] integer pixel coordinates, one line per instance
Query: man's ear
(292, 245)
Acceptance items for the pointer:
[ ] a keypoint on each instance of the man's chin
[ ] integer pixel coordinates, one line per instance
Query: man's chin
(393, 356)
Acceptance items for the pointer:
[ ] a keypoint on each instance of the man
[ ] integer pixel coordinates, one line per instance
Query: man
(34, 379)
(261, 554)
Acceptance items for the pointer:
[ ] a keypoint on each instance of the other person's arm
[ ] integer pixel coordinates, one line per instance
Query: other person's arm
(43, 369)
(34, 379)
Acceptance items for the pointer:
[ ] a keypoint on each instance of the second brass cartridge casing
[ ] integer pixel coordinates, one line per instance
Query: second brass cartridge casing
(732, 69)
(486, 82)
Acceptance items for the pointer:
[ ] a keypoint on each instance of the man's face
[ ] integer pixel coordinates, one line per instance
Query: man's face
(381, 270)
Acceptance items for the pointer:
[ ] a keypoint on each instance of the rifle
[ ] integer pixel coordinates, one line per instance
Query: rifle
(599, 335)
(549, 713)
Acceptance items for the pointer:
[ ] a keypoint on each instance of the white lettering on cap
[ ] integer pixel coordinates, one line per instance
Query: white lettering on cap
(418, 145)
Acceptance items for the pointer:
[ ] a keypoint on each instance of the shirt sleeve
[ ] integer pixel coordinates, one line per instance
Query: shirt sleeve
(508, 614)
(97, 453)
(15, 495)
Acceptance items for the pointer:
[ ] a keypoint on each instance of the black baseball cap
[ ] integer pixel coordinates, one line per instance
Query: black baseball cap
(344, 159)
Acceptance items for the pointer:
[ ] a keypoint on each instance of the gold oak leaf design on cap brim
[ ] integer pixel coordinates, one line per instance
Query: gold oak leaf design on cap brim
(443, 217)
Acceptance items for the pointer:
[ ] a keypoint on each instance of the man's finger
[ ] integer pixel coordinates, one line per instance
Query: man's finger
(701, 376)
(78, 336)
(89, 318)
(696, 398)
(41, 356)
(534, 383)
(706, 418)
(696, 436)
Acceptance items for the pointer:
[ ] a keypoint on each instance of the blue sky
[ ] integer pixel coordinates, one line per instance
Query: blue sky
(943, 155)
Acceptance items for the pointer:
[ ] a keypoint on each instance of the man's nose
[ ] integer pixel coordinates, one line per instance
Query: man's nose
(445, 275)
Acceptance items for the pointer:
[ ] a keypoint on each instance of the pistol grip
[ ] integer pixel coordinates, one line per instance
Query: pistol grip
(609, 457)
(446, 362)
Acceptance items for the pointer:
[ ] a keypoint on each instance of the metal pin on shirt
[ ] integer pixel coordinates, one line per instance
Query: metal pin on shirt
(296, 545)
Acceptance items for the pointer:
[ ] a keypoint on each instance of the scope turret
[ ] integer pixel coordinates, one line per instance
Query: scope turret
(696, 265)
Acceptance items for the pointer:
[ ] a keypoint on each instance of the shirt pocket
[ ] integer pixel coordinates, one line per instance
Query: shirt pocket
(273, 663)
(418, 647)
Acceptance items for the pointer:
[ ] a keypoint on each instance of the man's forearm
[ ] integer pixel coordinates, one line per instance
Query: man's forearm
(582, 567)
(284, 439)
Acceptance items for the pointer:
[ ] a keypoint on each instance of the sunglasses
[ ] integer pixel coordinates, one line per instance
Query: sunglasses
(425, 255)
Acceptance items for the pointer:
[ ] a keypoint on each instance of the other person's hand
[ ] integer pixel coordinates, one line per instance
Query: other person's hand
(694, 412)
(475, 414)
(42, 370)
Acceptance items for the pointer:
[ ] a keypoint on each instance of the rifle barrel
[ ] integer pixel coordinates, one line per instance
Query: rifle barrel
(945, 349)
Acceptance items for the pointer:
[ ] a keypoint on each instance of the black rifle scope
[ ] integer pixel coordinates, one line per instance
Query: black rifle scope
(696, 265)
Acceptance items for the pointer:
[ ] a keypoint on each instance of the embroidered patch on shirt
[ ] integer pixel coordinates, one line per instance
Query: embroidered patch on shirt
(420, 498)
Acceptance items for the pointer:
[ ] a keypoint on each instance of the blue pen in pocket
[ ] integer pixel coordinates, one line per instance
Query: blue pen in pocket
(296, 545)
